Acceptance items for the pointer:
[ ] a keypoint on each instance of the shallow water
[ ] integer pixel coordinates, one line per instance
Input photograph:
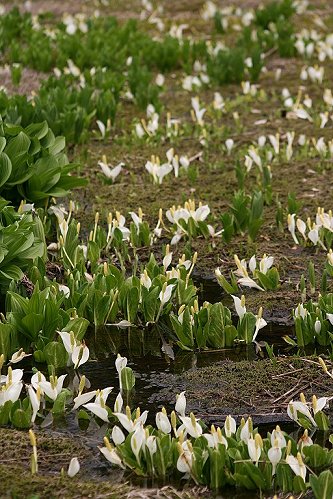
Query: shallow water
(150, 356)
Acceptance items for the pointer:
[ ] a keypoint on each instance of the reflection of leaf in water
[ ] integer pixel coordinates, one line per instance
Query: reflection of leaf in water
(167, 349)
(122, 324)
(47, 421)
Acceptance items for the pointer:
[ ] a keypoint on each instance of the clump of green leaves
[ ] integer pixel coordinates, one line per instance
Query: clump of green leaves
(273, 12)
(265, 276)
(314, 322)
(33, 165)
(211, 325)
(245, 215)
(33, 324)
(22, 241)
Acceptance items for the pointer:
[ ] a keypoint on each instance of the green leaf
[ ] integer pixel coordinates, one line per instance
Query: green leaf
(217, 322)
(5, 168)
(21, 419)
(246, 327)
(33, 324)
(284, 478)
(93, 254)
(256, 475)
(184, 331)
(132, 304)
(289, 340)
(127, 378)
(231, 334)
(12, 272)
(5, 412)
(82, 414)
(38, 130)
(78, 326)
(6, 330)
(101, 310)
(58, 145)
(317, 456)
(298, 484)
(39, 356)
(322, 486)
(17, 150)
(55, 354)
(59, 404)
(322, 421)
(2, 143)
(228, 288)
(18, 304)
(150, 304)
(217, 465)
(264, 280)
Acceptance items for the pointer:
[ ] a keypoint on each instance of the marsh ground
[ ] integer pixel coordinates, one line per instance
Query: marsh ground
(246, 387)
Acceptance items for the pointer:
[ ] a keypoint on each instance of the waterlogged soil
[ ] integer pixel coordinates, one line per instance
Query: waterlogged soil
(240, 381)
(260, 389)
(215, 386)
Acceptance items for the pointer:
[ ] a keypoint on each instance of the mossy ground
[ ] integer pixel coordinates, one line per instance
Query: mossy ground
(261, 389)
(55, 452)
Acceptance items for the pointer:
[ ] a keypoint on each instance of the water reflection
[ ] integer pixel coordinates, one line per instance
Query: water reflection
(148, 354)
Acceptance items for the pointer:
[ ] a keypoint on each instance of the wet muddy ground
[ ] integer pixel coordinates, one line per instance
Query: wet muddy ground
(241, 381)
(216, 383)
(237, 381)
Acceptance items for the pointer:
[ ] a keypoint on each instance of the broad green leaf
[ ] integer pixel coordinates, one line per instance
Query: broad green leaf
(58, 145)
(217, 322)
(5, 412)
(55, 354)
(6, 330)
(59, 404)
(33, 324)
(298, 484)
(38, 130)
(127, 378)
(17, 149)
(322, 486)
(150, 304)
(2, 143)
(78, 326)
(246, 327)
(11, 272)
(316, 456)
(17, 303)
(21, 419)
(284, 477)
(132, 304)
(5, 168)
(322, 421)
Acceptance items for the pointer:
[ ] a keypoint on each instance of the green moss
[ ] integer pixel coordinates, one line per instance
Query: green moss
(95, 479)
(15, 482)
(257, 388)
